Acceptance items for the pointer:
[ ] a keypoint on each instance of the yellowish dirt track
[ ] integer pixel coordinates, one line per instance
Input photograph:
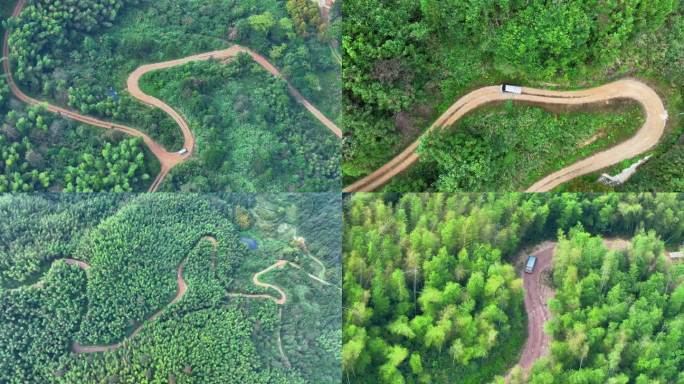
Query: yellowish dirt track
(646, 137)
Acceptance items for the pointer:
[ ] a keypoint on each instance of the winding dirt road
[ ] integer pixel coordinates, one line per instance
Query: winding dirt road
(646, 137)
(537, 295)
(182, 288)
(280, 264)
(180, 293)
(167, 159)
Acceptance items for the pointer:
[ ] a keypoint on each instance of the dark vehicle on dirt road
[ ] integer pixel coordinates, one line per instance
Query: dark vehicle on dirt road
(531, 263)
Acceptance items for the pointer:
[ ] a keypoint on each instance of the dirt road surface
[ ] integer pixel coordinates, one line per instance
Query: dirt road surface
(182, 288)
(280, 264)
(167, 159)
(537, 295)
(645, 138)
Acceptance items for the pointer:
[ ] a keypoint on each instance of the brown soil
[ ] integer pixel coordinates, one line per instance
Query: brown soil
(537, 295)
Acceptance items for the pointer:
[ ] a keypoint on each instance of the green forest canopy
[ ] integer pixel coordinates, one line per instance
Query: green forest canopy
(79, 54)
(406, 61)
(134, 245)
(617, 316)
(409, 258)
(249, 130)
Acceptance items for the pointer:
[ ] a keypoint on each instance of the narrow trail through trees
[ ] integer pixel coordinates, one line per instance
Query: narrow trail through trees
(645, 138)
(537, 296)
(180, 293)
(167, 159)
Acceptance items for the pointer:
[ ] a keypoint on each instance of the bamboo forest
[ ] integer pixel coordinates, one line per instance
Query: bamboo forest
(513, 288)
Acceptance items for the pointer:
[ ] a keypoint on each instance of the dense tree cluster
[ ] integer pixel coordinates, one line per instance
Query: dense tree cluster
(37, 324)
(46, 28)
(149, 250)
(547, 39)
(617, 315)
(53, 224)
(407, 61)
(18, 176)
(248, 138)
(39, 151)
(306, 17)
(430, 295)
(116, 168)
(134, 245)
(19, 159)
(79, 55)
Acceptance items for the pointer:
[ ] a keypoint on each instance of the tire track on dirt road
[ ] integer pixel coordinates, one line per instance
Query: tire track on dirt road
(537, 295)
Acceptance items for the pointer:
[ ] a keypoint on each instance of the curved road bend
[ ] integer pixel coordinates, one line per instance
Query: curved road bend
(537, 296)
(280, 264)
(167, 159)
(645, 138)
(182, 288)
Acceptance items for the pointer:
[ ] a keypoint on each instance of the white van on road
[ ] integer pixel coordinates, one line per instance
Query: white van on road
(531, 263)
(506, 88)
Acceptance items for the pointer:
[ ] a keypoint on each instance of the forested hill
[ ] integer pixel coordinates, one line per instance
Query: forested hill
(120, 288)
(431, 294)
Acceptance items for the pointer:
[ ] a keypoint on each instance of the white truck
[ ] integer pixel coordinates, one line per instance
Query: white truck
(183, 151)
(530, 264)
(507, 88)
